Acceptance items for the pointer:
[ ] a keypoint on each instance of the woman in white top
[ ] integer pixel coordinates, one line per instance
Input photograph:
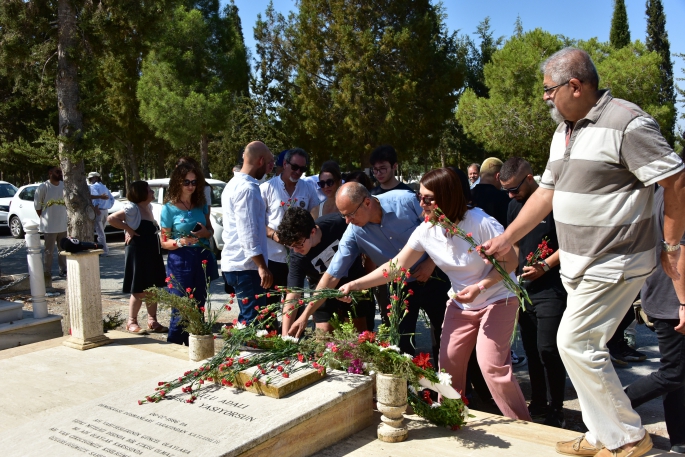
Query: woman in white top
(481, 311)
(330, 179)
(144, 265)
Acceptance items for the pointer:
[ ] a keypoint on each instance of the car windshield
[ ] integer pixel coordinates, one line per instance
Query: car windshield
(217, 189)
(8, 190)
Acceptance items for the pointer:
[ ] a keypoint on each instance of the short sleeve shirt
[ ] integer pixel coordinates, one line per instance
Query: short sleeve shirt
(454, 256)
(277, 201)
(378, 190)
(601, 172)
(315, 263)
(182, 222)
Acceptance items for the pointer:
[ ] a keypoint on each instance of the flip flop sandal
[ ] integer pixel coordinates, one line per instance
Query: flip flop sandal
(156, 327)
(133, 327)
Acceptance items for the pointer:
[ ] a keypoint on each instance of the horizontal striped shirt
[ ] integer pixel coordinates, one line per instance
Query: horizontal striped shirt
(602, 172)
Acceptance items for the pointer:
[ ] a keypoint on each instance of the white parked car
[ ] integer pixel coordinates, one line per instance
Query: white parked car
(216, 214)
(7, 191)
(21, 210)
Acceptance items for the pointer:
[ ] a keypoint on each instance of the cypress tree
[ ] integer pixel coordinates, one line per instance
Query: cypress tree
(619, 37)
(657, 41)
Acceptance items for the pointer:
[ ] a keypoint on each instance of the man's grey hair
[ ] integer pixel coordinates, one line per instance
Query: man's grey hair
(513, 166)
(477, 165)
(571, 63)
(355, 191)
(296, 152)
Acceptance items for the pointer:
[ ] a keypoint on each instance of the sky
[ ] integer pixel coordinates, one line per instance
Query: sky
(582, 19)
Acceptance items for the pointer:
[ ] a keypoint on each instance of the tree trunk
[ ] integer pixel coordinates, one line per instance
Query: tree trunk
(135, 172)
(80, 212)
(204, 154)
(442, 158)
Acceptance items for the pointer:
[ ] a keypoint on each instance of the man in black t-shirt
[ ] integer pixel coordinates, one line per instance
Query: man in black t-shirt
(313, 245)
(540, 322)
(384, 166)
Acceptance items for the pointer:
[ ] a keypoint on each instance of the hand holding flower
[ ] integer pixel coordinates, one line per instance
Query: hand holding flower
(468, 294)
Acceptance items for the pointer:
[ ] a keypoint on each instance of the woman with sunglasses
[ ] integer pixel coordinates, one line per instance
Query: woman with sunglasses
(186, 230)
(481, 311)
(330, 179)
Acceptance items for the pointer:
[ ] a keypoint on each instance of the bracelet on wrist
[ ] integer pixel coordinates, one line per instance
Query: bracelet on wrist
(482, 288)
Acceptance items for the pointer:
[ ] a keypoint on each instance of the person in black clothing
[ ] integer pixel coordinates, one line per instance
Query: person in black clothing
(313, 244)
(384, 166)
(487, 195)
(540, 322)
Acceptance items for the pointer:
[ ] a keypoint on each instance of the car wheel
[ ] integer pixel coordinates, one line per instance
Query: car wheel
(16, 229)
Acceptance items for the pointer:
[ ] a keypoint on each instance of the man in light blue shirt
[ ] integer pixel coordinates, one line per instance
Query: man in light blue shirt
(243, 259)
(380, 226)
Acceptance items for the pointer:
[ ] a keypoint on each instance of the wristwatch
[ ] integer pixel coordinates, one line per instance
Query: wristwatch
(669, 248)
(545, 267)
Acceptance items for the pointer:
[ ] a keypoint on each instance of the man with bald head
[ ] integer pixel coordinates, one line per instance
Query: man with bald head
(380, 226)
(605, 157)
(245, 253)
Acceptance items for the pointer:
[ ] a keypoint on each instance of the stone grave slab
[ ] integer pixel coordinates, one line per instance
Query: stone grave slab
(222, 422)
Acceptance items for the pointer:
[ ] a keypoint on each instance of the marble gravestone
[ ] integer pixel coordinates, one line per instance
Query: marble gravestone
(221, 422)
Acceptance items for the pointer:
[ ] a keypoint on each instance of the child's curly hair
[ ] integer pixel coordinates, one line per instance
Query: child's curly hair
(297, 225)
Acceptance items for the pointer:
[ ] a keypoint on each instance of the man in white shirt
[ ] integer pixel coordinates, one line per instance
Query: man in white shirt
(102, 201)
(280, 193)
(49, 204)
(245, 253)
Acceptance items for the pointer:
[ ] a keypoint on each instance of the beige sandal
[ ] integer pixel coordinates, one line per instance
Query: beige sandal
(156, 327)
(133, 327)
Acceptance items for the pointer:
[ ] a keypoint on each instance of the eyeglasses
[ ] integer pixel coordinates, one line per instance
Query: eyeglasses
(515, 190)
(188, 182)
(548, 90)
(379, 170)
(351, 215)
(297, 168)
(326, 183)
(427, 200)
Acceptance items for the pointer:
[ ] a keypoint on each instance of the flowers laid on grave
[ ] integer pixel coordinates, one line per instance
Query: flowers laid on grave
(452, 229)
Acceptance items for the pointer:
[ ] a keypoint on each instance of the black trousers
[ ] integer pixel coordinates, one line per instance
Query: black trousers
(616, 340)
(668, 381)
(430, 296)
(539, 326)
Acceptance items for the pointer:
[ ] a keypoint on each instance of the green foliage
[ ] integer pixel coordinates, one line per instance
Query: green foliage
(345, 77)
(657, 40)
(112, 321)
(193, 74)
(515, 121)
(619, 36)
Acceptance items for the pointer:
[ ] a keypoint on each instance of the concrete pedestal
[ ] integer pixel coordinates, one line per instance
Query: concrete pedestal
(85, 300)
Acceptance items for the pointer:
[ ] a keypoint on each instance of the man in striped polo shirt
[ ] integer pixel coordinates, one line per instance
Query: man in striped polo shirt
(606, 155)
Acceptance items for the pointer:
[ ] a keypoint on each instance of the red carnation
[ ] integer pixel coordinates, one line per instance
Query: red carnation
(189, 290)
(204, 262)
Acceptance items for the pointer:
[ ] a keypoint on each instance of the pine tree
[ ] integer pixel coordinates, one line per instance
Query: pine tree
(619, 36)
(518, 26)
(657, 40)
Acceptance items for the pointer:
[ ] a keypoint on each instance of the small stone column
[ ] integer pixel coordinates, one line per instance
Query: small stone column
(85, 300)
(36, 277)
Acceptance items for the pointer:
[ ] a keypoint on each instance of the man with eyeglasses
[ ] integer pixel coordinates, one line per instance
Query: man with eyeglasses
(280, 193)
(606, 154)
(540, 322)
(384, 166)
(380, 226)
(313, 245)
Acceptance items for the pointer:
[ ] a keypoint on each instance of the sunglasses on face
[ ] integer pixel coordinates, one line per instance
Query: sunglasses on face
(515, 190)
(326, 183)
(188, 182)
(427, 200)
(297, 168)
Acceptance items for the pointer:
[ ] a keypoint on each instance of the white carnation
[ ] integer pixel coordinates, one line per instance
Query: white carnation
(239, 326)
(292, 339)
(445, 378)
(392, 347)
(435, 404)
(261, 333)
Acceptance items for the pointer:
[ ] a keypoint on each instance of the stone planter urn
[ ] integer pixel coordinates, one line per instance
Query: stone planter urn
(391, 396)
(200, 347)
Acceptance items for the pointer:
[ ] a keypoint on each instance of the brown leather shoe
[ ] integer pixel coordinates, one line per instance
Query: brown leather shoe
(641, 448)
(578, 446)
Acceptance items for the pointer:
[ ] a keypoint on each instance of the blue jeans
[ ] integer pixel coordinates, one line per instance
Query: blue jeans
(186, 266)
(247, 284)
